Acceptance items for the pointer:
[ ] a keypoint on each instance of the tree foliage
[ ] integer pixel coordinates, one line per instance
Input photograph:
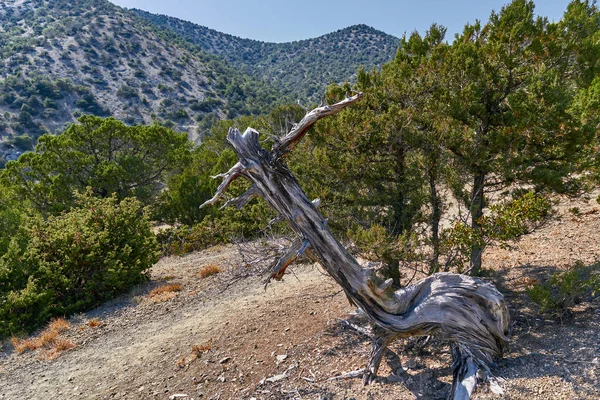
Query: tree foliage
(104, 154)
(506, 106)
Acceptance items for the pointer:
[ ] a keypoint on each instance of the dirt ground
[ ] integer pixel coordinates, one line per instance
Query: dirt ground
(220, 338)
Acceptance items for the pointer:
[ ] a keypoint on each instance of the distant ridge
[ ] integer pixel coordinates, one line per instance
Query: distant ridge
(302, 67)
(62, 58)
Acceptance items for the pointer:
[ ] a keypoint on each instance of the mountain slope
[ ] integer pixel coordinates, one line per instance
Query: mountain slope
(303, 67)
(61, 58)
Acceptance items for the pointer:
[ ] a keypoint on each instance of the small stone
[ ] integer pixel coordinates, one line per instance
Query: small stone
(178, 396)
(224, 360)
(221, 378)
(281, 358)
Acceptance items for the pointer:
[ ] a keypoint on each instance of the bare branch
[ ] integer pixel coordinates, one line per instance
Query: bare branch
(296, 250)
(289, 141)
(228, 177)
(244, 198)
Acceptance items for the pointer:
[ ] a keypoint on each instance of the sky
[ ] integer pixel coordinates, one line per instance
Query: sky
(285, 21)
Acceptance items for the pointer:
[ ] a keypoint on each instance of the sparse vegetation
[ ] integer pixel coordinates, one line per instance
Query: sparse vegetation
(94, 322)
(563, 290)
(174, 287)
(201, 348)
(209, 270)
(165, 292)
(38, 99)
(49, 340)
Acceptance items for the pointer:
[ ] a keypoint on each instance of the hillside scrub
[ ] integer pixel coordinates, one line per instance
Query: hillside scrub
(74, 261)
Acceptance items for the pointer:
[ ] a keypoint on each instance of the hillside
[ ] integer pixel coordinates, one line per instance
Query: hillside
(225, 337)
(60, 59)
(303, 67)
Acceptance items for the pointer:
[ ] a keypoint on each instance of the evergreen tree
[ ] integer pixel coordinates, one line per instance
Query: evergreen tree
(104, 154)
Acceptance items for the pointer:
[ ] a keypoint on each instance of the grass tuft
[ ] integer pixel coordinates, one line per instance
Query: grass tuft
(58, 325)
(202, 348)
(175, 287)
(23, 345)
(209, 270)
(63, 344)
(165, 292)
(94, 322)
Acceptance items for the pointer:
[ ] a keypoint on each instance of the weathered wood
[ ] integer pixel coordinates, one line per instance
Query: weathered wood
(466, 311)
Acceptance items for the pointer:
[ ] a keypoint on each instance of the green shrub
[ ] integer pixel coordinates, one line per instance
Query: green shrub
(222, 227)
(74, 261)
(185, 239)
(23, 142)
(565, 289)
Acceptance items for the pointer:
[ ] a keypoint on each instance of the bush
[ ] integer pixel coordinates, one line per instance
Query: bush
(127, 92)
(23, 142)
(74, 261)
(247, 223)
(185, 239)
(565, 289)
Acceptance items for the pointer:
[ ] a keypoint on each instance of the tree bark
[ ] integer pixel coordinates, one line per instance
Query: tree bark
(466, 311)
(477, 204)
(436, 215)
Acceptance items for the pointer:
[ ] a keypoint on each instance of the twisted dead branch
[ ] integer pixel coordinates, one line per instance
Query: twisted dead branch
(466, 311)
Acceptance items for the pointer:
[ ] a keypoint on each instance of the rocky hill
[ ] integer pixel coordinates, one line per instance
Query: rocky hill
(302, 67)
(60, 59)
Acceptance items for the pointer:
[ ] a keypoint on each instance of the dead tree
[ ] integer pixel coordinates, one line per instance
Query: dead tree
(468, 312)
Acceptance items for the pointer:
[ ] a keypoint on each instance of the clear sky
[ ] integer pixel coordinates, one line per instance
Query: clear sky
(284, 20)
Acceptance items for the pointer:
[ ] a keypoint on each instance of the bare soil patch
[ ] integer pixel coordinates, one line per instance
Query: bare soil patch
(214, 339)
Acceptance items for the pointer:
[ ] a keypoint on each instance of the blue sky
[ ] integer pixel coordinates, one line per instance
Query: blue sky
(283, 21)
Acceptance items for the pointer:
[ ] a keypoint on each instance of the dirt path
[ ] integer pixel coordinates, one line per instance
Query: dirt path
(286, 342)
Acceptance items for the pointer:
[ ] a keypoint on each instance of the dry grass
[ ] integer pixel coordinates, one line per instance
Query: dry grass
(58, 325)
(23, 345)
(202, 348)
(197, 351)
(159, 298)
(94, 322)
(165, 292)
(175, 287)
(208, 270)
(48, 339)
(181, 362)
(63, 344)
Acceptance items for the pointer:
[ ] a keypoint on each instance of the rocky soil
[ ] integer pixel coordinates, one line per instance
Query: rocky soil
(226, 337)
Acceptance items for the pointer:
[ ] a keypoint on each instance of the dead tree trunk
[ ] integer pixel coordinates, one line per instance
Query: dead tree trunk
(466, 311)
